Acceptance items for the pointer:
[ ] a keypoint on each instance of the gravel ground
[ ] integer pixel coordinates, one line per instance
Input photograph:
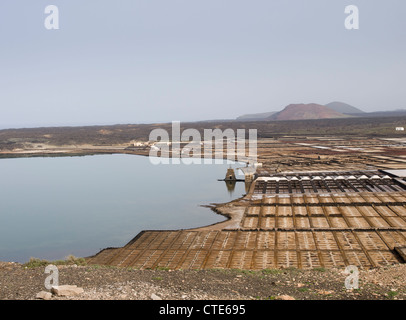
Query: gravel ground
(108, 283)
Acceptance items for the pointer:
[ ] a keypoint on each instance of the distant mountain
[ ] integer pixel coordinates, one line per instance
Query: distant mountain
(339, 107)
(342, 107)
(255, 116)
(316, 111)
(306, 111)
(376, 114)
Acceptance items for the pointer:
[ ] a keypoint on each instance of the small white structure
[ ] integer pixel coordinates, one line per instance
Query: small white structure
(400, 129)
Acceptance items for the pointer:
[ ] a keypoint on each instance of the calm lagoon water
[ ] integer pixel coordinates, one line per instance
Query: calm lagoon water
(53, 207)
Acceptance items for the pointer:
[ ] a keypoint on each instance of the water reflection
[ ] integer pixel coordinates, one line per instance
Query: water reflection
(230, 184)
(247, 185)
(231, 180)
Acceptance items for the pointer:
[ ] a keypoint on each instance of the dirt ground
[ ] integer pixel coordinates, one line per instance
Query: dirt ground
(109, 283)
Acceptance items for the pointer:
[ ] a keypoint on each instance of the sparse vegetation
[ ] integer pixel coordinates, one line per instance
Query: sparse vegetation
(162, 268)
(272, 271)
(392, 294)
(69, 260)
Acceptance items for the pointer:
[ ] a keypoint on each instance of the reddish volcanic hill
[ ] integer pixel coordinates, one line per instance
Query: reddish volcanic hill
(306, 111)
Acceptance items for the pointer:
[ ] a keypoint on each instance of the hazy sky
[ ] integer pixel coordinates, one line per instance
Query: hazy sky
(137, 61)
